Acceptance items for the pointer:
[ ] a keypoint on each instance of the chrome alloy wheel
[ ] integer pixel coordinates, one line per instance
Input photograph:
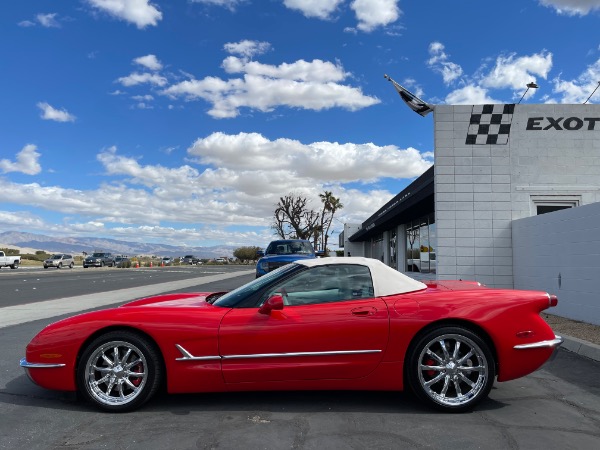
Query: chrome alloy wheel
(452, 369)
(116, 373)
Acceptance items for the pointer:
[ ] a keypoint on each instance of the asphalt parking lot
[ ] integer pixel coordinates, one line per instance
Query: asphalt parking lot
(557, 407)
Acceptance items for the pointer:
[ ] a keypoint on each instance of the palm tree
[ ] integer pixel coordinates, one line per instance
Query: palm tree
(331, 204)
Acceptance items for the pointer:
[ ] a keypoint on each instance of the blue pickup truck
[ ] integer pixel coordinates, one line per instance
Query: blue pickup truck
(282, 252)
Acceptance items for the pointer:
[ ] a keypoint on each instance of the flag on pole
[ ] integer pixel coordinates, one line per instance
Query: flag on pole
(415, 103)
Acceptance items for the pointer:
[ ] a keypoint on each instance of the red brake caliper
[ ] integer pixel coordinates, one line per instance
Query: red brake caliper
(430, 372)
(136, 381)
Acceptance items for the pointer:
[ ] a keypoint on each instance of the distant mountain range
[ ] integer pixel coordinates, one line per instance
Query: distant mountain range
(78, 245)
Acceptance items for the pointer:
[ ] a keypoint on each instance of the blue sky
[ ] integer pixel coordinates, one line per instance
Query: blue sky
(184, 121)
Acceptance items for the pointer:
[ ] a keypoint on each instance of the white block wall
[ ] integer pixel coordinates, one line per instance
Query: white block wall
(354, 248)
(560, 253)
(481, 189)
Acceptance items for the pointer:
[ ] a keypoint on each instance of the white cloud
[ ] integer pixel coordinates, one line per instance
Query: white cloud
(58, 115)
(470, 95)
(246, 48)
(509, 72)
(149, 61)
(229, 4)
(515, 72)
(26, 23)
(48, 20)
(309, 85)
(372, 14)
(572, 7)
(316, 70)
(314, 85)
(139, 12)
(20, 220)
(438, 61)
(321, 9)
(136, 78)
(143, 98)
(26, 162)
(319, 161)
(579, 89)
(225, 189)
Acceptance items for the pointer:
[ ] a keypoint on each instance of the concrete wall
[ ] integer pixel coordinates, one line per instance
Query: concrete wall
(481, 188)
(354, 248)
(559, 253)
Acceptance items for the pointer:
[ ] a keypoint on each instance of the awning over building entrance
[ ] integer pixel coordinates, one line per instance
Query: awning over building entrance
(415, 201)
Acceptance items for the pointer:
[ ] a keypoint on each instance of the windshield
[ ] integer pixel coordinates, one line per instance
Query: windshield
(236, 296)
(289, 248)
(98, 255)
(56, 257)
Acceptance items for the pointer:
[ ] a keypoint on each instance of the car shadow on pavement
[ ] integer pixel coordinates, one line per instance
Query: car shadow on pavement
(22, 392)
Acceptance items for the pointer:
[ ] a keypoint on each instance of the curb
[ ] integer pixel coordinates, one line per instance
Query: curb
(581, 347)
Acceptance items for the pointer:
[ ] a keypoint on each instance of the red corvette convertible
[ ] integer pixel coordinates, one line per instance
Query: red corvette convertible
(329, 323)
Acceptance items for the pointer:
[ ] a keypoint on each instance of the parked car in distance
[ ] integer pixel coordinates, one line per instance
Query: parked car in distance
(59, 260)
(10, 261)
(190, 259)
(282, 252)
(167, 261)
(122, 261)
(99, 259)
(321, 324)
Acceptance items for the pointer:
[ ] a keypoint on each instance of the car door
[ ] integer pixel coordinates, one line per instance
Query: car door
(331, 327)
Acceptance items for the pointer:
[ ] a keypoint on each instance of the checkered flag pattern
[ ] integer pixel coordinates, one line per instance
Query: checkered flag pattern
(490, 124)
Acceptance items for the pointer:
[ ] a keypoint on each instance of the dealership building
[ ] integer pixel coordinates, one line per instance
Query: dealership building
(511, 201)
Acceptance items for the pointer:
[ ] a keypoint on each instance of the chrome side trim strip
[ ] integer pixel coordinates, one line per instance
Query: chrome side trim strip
(187, 356)
(541, 344)
(290, 355)
(27, 365)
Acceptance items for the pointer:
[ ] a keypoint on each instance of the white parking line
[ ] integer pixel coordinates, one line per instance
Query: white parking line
(15, 315)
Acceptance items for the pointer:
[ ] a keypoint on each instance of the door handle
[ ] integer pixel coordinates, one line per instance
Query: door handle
(369, 311)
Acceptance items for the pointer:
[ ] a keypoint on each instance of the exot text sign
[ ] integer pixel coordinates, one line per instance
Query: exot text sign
(560, 123)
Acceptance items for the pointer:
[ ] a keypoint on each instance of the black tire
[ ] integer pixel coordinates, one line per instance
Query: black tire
(85, 267)
(131, 377)
(71, 265)
(101, 263)
(45, 267)
(59, 265)
(15, 265)
(451, 368)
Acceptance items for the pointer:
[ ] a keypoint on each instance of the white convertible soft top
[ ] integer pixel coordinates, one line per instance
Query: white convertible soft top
(386, 281)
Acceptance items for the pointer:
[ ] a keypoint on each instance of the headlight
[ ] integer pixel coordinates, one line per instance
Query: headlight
(263, 266)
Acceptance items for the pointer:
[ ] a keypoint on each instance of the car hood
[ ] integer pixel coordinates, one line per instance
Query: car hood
(189, 299)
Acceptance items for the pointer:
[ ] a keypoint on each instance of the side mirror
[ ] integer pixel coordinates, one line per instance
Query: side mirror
(260, 253)
(274, 303)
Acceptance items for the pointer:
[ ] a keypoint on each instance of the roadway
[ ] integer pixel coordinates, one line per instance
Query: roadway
(557, 407)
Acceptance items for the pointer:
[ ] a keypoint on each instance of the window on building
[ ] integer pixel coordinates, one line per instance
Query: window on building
(420, 245)
(377, 247)
(543, 209)
(543, 204)
(393, 249)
